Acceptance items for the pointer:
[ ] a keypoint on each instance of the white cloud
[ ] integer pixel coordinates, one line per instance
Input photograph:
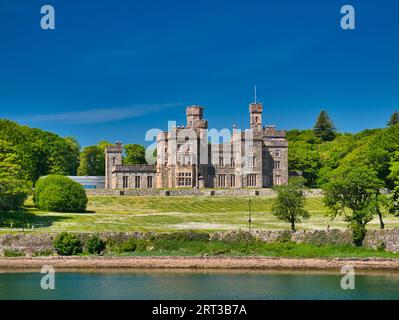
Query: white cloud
(98, 115)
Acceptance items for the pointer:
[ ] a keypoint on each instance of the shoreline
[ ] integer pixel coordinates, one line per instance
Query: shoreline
(198, 263)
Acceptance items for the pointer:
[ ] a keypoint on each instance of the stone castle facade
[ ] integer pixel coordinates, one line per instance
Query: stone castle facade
(192, 156)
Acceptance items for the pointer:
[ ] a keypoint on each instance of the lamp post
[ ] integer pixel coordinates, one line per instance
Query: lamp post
(249, 217)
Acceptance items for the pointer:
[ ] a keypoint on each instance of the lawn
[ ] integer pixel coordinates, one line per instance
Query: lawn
(208, 214)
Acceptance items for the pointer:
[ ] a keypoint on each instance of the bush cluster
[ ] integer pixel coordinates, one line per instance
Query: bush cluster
(95, 245)
(60, 193)
(67, 244)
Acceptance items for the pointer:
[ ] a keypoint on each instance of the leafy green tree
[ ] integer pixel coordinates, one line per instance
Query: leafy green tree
(289, 205)
(38, 151)
(394, 176)
(355, 188)
(303, 155)
(74, 146)
(134, 154)
(92, 162)
(103, 144)
(324, 127)
(13, 188)
(394, 119)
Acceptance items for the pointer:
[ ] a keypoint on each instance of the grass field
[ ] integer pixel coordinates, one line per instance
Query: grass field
(171, 214)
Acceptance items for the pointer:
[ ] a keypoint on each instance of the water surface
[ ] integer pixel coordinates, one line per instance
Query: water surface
(117, 284)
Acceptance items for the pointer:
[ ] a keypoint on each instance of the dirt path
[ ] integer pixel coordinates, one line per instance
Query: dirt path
(260, 263)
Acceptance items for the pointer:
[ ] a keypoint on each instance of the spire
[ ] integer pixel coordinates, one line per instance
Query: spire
(256, 98)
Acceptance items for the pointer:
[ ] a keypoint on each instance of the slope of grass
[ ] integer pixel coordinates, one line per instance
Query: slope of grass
(171, 213)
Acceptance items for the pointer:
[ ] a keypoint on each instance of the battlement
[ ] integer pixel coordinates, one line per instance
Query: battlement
(256, 108)
(195, 111)
(117, 148)
(270, 131)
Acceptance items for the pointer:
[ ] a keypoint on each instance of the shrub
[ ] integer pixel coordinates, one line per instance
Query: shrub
(358, 233)
(132, 245)
(95, 245)
(183, 236)
(60, 193)
(13, 193)
(67, 244)
(13, 253)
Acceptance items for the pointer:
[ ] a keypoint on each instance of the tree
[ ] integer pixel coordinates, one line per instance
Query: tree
(394, 176)
(92, 162)
(39, 152)
(74, 146)
(13, 188)
(394, 119)
(103, 144)
(355, 188)
(135, 154)
(324, 127)
(303, 155)
(290, 202)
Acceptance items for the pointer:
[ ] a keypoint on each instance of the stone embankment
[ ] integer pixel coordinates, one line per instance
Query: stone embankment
(31, 244)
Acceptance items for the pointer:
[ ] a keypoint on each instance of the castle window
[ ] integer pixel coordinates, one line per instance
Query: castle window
(252, 162)
(232, 180)
(184, 179)
(221, 180)
(125, 182)
(137, 182)
(277, 153)
(149, 181)
(278, 180)
(277, 165)
(233, 162)
(221, 162)
(113, 160)
(251, 180)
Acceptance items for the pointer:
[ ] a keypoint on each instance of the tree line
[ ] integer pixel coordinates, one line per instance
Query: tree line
(352, 170)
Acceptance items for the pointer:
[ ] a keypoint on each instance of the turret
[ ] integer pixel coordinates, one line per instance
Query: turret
(113, 157)
(194, 118)
(255, 115)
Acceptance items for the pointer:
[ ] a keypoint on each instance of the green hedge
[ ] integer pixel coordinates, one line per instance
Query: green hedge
(60, 193)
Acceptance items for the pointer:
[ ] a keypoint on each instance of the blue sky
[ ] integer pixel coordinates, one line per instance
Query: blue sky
(114, 69)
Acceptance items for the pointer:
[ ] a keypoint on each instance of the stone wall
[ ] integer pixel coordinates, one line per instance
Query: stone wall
(42, 243)
(266, 192)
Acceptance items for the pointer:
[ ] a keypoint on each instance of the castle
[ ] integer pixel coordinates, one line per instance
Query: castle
(256, 157)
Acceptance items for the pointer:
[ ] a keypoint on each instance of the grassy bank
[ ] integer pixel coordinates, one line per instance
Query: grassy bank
(243, 248)
(124, 214)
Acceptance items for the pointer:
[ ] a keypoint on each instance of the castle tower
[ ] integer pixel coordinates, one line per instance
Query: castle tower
(194, 118)
(113, 157)
(255, 115)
